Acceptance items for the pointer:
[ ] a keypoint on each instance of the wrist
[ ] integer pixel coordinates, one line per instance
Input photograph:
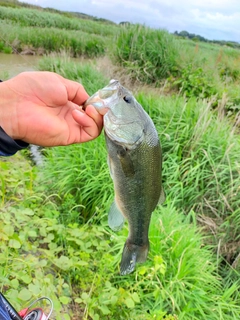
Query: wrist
(8, 110)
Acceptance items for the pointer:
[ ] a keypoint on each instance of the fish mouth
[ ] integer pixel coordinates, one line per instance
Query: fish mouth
(100, 100)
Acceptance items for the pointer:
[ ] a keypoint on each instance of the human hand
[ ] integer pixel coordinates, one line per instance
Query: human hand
(42, 108)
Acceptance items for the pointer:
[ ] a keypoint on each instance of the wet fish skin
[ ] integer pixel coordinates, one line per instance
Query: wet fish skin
(135, 162)
(137, 175)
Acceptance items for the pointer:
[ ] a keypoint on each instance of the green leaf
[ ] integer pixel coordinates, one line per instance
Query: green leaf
(66, 316)
(130, 303)
(114, 299)
(49, 238)
(81, 263)
(34, 288)
(142, 270)
(43, 263)
(104, 309)
(14, 244)
(26, 278)
(63, 263)
(28, 212)
(8, 230)
(15, 283)
(32, 234)
(84, 296)
(24, 294)
(3, 237)
(64, 299)
(135, 297)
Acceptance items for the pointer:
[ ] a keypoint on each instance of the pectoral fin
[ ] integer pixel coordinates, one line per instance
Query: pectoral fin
(115, 217)
(126, 162)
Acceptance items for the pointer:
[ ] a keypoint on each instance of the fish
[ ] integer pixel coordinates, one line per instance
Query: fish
(135, 164)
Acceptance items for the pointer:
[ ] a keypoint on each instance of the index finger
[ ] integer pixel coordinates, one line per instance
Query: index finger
(76, 92)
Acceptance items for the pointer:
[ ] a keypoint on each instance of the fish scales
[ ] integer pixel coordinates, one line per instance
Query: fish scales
(135, 162)
(134, 191)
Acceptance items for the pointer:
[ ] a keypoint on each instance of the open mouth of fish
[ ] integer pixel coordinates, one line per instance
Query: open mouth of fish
(100, 100)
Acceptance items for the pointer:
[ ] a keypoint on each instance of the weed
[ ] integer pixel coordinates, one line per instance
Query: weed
(194, 83)
(52, 39)
(148, 55)
(38, 18)
(78, 264)
(84, 73)
(7, 50)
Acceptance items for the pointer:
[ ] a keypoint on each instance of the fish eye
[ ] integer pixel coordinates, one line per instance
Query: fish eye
(127, 99)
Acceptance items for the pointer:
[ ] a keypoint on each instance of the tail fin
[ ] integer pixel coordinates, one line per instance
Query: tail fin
(131, 255)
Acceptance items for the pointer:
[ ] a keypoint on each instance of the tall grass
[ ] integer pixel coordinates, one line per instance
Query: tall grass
(87, 185)
(208, 70)
(39, 18)
(201, 163)
(78, 43)
(84, 72)
(148, 55)
(207, 55)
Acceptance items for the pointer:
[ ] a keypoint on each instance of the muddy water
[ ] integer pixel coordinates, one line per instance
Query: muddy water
(12, 64)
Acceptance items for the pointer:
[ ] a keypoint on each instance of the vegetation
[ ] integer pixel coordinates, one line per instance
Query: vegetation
(76, 265)
(36, 18)
(200, 70)
(53, 219)
(17, 4)
(149, 55)
(42, 41)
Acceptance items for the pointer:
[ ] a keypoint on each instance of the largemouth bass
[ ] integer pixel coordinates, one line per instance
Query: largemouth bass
(135, 163)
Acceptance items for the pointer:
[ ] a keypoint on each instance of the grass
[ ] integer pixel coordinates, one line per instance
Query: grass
(77, 264)
(39, 18)
(53, 224)
(75, 190)
(77, 43)
(193, 69)
(85, 73)
(201, 165)
(208, 70)
(148, 55)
